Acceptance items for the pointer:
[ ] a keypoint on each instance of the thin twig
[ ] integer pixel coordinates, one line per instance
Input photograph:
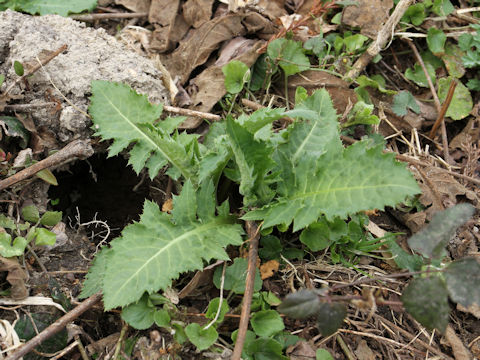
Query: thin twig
(443, 109)
(26, 107)
(118, 15)
(55, 327)
(220, 301)
(425, 71)
(44, 61)
(76, 149)
(253, 232)
(189, 112)
(118, 347)
(383, 37)
(81, 348)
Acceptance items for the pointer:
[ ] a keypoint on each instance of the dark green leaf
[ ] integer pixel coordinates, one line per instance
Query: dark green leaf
(30, 325)
(17, 65)
(270, 247)
(266, 349)
(236, 74)
(418, 76)
(14, 128)
(431, 241)
(461, 104)
(7, 249)
(51, 218)
(300, 305)
(161, 318)
(463, 281)
(44, 237)
(415, 14)
(266, 323)
(289, 55)
(402, 101)
(316, 236)
(30, 213)
(199, 337)
(213, 309)
(436, 41)
(427, 300)
(139, 315)
(330, 317)
(47, 176)
(404, 260)
(235, 276)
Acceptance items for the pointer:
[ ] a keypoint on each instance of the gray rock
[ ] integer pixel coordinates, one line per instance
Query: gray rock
(92, 55)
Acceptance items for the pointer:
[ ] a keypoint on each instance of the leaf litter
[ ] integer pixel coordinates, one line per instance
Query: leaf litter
(196, 38)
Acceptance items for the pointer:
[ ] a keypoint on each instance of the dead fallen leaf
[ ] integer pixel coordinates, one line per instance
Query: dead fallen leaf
(363, 352)
(369, 15)
(302, 350)
(473, 309)
(269, 269)
(469, 134)
(460, 352)
(16, 277)
(167, 205)
(197, 12)
(163, 14)
(208, 88)
(135, 5)
(311, 80)
(200, 43)
(273, 9)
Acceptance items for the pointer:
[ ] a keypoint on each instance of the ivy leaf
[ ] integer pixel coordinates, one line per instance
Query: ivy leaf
(7, 249)
(427, 300)
(415, 14)
(431, 241)
(51, 218)
(155, 250)
(461, 104)
(289, 55)
(463, 281)
(44, 237)
(30, 213)
(402, 101)
(300, 305)
(418, 76)
(213, 309)
(330, 317)
(436, 39)
(120, 114)
(236, 74)
(266, 323)
(201, 338)
(60, 7)
(266, 349)
(235, 277)
(139, 315)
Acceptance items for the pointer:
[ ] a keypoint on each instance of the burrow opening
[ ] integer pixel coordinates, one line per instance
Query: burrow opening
(102, 188)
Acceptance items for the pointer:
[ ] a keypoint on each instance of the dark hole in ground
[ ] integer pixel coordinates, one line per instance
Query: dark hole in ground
(111, 197)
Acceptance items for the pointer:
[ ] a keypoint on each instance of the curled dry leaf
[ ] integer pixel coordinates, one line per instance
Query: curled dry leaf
(313, 80)
(16, 277)
(368, 15)
(269, 269)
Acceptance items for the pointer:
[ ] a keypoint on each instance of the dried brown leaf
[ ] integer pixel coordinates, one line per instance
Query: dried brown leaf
(16, 277)
(197, 12)
(368, 15)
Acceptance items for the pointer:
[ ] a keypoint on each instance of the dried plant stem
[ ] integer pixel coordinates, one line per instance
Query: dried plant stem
(188, 112)
(383, 37)
(80, 149)
(37, 66)
(55, 327)
(118, 15)
(443, 109)
(253, 233)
